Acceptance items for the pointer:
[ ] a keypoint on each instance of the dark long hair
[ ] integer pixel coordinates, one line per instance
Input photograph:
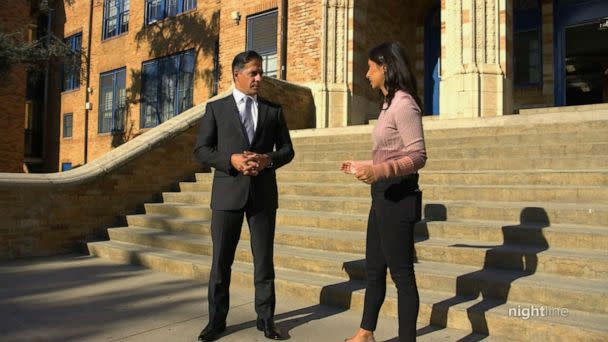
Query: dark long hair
(398, 74)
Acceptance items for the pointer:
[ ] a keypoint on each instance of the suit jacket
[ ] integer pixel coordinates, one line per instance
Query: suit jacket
(221, 134)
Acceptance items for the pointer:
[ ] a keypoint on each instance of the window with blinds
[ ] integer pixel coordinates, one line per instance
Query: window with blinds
(112, 101)
(160, 9)
(115, 18)
(262, 38)
(71, 71)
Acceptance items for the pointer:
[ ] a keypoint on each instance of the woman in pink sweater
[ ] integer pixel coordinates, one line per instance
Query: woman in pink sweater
(398, 153)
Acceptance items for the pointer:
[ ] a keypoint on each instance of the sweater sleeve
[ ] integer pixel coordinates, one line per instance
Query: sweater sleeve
(408, 121)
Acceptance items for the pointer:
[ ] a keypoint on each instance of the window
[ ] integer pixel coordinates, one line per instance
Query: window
(166, 88)
(115, 18)
(67, 125)
(112, 101)
(262, 38)
(160, 9)
(71, 71)
(527, 43)
(66, 166)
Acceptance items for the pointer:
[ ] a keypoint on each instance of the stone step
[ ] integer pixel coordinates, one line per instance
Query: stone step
(439, 177)
(578, 263)
(556, 133)
(443, 309)
(189, 218)
(554, 213)
(548, 163)
(503, 193)
(475, 152)
(364, 142)
(468, 281)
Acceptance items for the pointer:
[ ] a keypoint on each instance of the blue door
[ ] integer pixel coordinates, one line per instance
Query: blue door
(432, 55)
(581, 52)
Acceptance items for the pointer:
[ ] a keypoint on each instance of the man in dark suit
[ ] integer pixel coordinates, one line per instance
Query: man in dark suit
(245, 138)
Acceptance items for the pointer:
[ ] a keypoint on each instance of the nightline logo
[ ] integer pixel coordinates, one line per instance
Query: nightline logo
(526, 312)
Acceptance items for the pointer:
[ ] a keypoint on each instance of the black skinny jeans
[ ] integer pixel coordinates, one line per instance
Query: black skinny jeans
(396, 206)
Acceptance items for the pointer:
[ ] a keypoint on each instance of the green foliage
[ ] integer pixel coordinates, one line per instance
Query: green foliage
(35, 55)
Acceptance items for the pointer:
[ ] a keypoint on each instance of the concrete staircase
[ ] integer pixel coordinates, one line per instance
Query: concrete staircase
(513, 243)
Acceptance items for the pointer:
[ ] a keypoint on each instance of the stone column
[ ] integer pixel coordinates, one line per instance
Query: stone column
(476, 75)
(332, 94)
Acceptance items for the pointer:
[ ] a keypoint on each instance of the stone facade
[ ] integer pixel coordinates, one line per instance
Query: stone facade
(326, 44)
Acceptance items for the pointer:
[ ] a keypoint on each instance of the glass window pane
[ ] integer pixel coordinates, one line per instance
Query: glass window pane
(270, 65)
(67, 126)
(527, 58)
(172, 8)
(189, 4)
(121, 102)
(106, 96)
(149, 94)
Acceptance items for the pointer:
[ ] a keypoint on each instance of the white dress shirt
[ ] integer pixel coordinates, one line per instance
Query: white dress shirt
(241, 100)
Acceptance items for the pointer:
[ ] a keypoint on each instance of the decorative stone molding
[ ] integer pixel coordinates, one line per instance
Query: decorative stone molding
(332, 96)
(476, 79)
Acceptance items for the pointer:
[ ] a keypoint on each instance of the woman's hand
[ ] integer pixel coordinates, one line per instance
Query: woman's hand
(366, 174)
(348, 166)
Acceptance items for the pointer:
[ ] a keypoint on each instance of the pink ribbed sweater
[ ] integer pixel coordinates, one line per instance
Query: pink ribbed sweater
(398, 140)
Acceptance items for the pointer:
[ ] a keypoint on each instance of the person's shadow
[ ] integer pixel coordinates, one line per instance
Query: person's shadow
(334, 299)
(517, 257)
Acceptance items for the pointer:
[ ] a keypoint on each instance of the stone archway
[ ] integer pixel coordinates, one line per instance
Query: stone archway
(375, 22)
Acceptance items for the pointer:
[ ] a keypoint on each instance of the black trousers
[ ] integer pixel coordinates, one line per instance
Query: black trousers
(396, 206)
(225, 233)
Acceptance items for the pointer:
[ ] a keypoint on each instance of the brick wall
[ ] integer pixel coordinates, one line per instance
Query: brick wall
(14, 17)
(304, 19)
(197, 29)
(304, 41)
(233, 36)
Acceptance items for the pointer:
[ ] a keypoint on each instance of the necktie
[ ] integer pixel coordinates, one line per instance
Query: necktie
(248, 119)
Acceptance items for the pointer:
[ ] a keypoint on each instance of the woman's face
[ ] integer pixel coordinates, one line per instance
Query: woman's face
(375, 74)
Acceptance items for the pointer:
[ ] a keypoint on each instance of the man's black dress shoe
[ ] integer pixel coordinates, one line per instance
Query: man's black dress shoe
(269, 328)
(211, 331)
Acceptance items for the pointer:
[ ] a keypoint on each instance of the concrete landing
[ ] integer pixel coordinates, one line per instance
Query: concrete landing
(82, 298)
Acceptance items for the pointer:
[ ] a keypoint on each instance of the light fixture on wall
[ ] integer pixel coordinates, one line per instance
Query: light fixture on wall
(236, 16)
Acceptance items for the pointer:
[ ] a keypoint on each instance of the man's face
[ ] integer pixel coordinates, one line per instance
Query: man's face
(249, 79)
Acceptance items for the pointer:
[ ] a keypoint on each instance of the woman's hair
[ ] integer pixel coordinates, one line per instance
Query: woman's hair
(398, 74)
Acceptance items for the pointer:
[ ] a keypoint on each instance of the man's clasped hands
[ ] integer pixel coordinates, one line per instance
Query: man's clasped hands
(249, 163)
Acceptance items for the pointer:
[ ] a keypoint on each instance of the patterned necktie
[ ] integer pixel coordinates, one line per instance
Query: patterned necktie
(248, 118)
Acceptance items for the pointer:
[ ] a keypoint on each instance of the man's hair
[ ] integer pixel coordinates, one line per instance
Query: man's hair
(239, 61)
